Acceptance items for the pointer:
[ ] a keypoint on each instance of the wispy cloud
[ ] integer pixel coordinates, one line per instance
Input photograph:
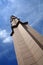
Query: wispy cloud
(4, 35)
(26, 10)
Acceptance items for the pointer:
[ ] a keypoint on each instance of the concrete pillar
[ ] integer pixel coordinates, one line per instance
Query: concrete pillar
(27, 42)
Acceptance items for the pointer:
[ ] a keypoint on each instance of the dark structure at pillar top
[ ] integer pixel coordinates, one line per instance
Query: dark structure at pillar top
(15, 26)
(13, 17)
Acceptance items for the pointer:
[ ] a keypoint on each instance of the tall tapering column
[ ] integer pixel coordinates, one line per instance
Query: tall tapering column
(27, 42)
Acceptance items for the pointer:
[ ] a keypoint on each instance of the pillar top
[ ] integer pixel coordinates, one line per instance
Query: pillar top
(13, 17)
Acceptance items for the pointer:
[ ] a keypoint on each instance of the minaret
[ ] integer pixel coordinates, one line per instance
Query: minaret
(27, 42)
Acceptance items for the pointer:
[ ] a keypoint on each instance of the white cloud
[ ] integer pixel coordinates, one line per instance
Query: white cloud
(7, 40)
(4, 35)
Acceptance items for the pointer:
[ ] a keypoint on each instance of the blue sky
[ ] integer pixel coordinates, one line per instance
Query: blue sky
(26, 10)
